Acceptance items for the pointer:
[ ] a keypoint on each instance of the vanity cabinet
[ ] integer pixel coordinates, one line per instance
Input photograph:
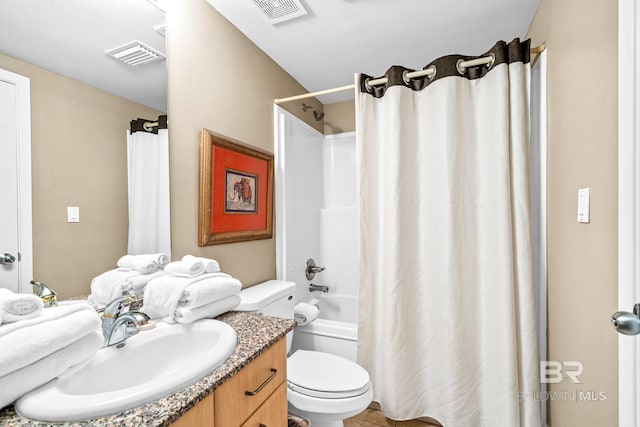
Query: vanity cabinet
(251, 391)
(256, 396)
(199, 415)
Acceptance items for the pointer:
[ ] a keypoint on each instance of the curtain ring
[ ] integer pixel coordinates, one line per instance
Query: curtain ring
(405, 79)
(459, 66)
(493, 60)
(432, 75)
(367, 86)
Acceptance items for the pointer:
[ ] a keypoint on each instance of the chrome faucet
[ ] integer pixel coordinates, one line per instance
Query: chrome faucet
(321, 288)
(118, 325)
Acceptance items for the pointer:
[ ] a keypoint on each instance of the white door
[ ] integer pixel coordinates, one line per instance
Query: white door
(15, 183)
(628, 206)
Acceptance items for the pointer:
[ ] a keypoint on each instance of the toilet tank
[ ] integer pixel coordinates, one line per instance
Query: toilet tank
(271, 298)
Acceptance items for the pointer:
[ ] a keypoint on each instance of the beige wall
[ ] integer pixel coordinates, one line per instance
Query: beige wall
(221, 81)
(79, 158)
(339, 117)
(582, 152)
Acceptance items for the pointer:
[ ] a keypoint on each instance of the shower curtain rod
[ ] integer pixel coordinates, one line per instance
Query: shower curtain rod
(429, 71)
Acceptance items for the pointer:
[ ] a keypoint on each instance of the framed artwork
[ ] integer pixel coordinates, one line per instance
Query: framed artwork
(236, 191)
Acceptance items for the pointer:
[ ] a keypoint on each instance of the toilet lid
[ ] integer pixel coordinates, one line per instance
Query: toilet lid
(326, 375)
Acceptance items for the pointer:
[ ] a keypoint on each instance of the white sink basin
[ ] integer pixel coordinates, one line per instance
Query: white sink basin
(151, 365)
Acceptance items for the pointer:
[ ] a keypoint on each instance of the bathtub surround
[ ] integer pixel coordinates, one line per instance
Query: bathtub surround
(444, 242)
(316, 215)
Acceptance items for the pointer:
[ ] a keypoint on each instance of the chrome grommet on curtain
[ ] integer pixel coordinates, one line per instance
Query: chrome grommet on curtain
(367, 86)
(406, 79)
(493, 60)
(432, 75)
(459, 66)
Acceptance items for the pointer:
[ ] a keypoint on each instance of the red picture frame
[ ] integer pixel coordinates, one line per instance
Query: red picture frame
(236, 191)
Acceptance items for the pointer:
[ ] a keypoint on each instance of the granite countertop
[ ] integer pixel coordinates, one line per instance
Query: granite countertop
(256, 333)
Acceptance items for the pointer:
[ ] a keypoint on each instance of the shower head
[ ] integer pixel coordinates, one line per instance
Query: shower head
(318, 115)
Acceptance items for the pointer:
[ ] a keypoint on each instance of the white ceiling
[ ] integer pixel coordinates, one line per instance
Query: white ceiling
(338, 38)
(321, 50)
(70, 37)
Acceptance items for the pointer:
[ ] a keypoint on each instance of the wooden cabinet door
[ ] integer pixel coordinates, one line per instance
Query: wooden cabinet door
(273, 412)
(245, 392)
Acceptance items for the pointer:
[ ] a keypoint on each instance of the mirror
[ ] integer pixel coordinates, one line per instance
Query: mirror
(81, 103)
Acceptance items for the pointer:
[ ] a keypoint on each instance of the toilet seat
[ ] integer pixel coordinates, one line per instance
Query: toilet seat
(325, 375)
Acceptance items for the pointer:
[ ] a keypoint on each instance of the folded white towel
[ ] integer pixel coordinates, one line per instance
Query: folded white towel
(27, 345)
(137, 283)
(210, 290)
(184, 268)
(148, 263)
(162, 294)
(21, 381)
(117, 282)
(14, 307)
(304, 313)
(109, 285)
(211, 310)
(47, 315)
(210, 265)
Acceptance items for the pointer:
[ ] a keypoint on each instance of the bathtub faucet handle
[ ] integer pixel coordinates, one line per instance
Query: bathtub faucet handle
(312, 269)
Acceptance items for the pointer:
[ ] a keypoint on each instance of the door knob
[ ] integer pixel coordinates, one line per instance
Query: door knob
(627, 323)
(7, 259)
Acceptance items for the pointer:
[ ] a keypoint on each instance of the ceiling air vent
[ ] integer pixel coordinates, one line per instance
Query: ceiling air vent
(135, 53)
(281, 10)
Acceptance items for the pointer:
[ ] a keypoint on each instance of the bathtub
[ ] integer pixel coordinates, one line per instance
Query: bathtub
(334, 331)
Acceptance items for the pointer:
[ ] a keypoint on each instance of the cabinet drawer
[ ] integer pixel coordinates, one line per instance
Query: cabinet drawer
(273, 412)
(239, 397)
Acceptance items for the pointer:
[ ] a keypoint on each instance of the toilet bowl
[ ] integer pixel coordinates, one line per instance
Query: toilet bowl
(323, 387)
(326, 388)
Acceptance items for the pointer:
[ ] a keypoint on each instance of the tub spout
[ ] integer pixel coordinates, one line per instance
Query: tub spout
(321, 288)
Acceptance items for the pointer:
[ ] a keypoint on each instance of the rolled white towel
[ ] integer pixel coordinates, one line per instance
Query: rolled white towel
(21, 381)
(184, 268)
(15, 307)
(211, 310)
(304, 313)
(161, 295)
(210, 265)
(149, 263)
(210, 290)
(27, 345)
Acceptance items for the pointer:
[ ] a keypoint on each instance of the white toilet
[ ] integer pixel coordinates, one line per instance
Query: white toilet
(323, 387)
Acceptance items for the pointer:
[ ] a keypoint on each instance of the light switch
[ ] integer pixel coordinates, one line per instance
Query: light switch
(583, 205)
(73, 214)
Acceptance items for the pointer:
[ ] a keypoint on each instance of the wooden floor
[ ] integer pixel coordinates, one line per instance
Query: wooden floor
(375, 418)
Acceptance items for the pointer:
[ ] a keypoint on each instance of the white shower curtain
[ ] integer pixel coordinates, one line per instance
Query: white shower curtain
(447, 323)
(148, 172)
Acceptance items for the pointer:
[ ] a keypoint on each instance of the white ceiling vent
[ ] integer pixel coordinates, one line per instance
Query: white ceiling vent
(135, 53)
(281, 10)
